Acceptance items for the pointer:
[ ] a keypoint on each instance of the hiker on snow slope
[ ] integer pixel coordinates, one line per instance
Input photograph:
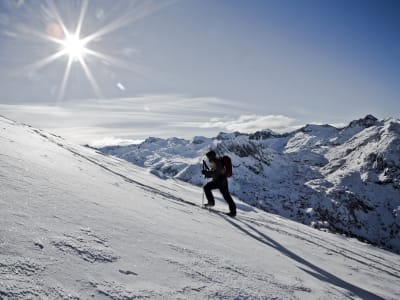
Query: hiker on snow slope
(220, 181)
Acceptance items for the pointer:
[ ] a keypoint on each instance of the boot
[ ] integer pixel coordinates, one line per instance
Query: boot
(231, 214)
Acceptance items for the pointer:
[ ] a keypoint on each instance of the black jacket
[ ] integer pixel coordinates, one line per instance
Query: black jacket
(217, 173)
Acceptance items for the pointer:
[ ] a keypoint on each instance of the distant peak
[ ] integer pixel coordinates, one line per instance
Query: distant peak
(370, 117)
(151, 140)
(228, 136)
(315, 126)
(265, 134)
(367, 121)
(199, 140)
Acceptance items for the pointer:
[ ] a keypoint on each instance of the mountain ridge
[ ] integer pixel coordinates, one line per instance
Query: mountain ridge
(343, 179)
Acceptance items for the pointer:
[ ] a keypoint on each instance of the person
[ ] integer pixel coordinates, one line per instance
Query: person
(220, 181)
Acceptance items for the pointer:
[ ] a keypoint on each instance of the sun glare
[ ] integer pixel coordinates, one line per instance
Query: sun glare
(74, 47)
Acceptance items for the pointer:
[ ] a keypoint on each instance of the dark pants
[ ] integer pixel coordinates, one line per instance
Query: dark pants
(222, 185)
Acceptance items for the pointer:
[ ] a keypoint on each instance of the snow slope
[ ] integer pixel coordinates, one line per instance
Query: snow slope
(75, 224)
(344, 180)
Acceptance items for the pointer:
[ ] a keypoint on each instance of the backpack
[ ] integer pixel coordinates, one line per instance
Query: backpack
(227, 163)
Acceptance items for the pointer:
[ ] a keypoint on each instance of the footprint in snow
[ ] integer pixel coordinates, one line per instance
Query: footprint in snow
(37, 244)
(127, 272)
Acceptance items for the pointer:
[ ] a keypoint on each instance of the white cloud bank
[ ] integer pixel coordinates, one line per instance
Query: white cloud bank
(118, 121)
(122, 121)
(252, 123)
(112, 141)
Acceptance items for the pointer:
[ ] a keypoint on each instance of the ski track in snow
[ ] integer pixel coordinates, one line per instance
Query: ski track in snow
(370, 259)
(207, 270)
(290, 261)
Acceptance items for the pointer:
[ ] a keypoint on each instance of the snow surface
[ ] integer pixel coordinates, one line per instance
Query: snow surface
(344, 180)
(75, 224)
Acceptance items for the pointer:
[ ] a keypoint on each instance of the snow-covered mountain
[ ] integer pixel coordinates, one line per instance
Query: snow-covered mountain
(76, 224)
(344, 180)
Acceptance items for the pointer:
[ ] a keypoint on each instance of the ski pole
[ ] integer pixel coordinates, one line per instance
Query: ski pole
(202, 200)
(205, 167)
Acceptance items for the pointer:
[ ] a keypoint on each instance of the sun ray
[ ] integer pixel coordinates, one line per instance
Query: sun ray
(90, 77)
(64, 80)
(31, 34)
(120, 63)
(54, 10)
(117, 24)
(82, 14)
(145, 10)
(115, 61)
(46, 61)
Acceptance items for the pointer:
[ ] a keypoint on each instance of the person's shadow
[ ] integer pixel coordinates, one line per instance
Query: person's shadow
(312, 270)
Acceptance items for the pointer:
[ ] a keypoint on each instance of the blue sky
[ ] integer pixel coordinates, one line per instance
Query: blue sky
(196, 67)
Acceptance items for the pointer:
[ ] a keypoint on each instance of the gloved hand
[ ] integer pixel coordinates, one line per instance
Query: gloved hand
(207, 174)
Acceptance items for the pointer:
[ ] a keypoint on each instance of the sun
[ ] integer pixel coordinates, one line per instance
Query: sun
(74, 47)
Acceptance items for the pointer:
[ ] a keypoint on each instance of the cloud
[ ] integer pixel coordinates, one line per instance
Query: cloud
(111, 141)
(122, 120)
(252, 123)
